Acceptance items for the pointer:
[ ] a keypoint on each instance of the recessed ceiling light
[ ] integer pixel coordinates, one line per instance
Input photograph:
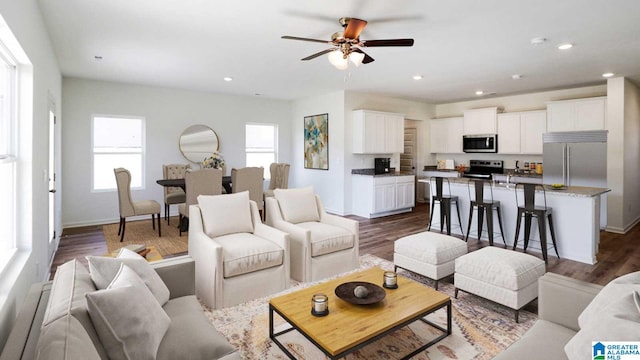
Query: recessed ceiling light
(97, 57)
(417, 77)
(607, 75)
(565, 46)
(479, 92)
(516, 76)
(538, 41)
(227, 78)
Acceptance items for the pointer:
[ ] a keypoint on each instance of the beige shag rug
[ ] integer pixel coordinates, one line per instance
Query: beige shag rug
(481, 329)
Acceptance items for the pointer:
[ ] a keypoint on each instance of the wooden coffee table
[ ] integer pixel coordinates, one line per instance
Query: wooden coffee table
(349, 327)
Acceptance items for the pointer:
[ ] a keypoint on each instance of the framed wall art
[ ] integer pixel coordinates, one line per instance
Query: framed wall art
(316, 142)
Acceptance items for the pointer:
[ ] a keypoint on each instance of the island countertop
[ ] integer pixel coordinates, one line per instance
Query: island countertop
(580, 191)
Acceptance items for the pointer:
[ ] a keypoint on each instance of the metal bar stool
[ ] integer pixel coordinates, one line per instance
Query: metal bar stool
(444, 200)
(529, 210)
(483, 206)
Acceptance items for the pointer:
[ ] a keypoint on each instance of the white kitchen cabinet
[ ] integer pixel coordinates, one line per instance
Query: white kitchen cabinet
(377, 132)
(375, 196)
(480, 121)
(446, 135)
(521, 132)
(577, 115)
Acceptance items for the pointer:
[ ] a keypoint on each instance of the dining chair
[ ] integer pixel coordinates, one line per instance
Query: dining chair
(128, 207)
(250, 179)
(198, 182)
(172, 194)
(279, 178)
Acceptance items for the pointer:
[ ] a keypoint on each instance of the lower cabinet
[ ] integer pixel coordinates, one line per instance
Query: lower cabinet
(382, 195)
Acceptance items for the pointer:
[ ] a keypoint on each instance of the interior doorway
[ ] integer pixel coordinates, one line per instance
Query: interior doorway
(51, 173)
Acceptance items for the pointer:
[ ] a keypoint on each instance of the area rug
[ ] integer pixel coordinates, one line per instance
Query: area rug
(481, 329)
(141, 232)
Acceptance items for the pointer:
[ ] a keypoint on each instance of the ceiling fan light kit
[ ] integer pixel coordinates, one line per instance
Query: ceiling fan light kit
(347, 44)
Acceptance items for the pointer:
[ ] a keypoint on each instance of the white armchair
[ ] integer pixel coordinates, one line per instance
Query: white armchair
(237, 257)
(322, 244)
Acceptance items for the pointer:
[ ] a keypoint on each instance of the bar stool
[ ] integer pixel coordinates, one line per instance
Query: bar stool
(444, 200)
(529, 210)
(483, 206)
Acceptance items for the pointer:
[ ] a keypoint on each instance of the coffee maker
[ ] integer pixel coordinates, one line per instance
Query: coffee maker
(382, 165)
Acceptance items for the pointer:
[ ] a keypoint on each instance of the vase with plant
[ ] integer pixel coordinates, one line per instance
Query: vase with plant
(215, 161)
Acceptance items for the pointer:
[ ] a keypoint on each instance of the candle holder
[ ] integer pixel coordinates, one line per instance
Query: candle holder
(319, 305)
(390, 280)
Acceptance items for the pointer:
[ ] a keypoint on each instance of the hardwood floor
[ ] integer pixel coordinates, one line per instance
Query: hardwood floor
(618, 255)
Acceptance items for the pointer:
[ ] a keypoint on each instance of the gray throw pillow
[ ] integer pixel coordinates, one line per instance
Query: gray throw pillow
(127, 317)
(104, 269)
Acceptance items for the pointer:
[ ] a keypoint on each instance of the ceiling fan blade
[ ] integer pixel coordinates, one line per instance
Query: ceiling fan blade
(367, 59)
(354, 28)
(305, 39)
(310, 57)
(387, 42)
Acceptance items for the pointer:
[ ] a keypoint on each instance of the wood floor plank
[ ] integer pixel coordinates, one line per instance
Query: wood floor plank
(618, 255)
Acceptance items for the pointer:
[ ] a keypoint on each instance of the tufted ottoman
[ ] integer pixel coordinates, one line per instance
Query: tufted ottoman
(429, 254)
(506, 277)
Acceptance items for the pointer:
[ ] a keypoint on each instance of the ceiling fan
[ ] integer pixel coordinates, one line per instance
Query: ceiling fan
(346, 44)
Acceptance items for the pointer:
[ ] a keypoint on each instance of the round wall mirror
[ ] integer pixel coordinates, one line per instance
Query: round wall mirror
(198, 142)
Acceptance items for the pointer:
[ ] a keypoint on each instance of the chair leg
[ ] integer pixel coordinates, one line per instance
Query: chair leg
(489, 211)
(159, 230)
(153, 221)
(481, 210)
(181, 218)
(542, 229)
(470, 220)
(444, 218)
(515, 240)
(123, 225)
(120, 227)
(553, 235)
(527, 230)
(500, 224)
(433, 205)
(459, 219)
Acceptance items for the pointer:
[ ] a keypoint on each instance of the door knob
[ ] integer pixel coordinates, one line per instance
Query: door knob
(52, 191)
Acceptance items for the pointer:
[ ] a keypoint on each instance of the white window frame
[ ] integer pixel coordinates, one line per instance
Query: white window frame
(9, 157)
(274, 150)
(142, 152)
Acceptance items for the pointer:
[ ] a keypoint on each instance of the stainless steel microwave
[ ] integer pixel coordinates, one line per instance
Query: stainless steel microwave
(486, 143)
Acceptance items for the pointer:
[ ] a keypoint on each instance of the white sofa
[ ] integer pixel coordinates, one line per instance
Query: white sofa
(572, 314)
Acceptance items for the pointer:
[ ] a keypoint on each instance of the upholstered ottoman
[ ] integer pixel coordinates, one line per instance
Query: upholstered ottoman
(429, 254)
(506, 277)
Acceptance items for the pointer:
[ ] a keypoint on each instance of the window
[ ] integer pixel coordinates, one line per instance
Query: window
(261, 145)
(118, 141)
(8, 155)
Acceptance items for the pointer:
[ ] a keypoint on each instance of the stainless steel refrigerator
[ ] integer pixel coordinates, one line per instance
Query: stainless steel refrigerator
(577, 158)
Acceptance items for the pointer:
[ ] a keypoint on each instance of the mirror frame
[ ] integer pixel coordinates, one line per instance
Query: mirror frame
(198, 142)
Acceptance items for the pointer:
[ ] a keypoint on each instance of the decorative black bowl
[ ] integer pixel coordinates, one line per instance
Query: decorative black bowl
(345, 292)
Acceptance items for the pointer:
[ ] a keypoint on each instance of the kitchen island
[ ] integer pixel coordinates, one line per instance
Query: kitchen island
(576, 217)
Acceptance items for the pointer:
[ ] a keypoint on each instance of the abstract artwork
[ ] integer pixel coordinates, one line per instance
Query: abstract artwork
(316, 142)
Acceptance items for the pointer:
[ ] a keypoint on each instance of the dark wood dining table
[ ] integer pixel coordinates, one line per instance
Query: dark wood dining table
(226, 183)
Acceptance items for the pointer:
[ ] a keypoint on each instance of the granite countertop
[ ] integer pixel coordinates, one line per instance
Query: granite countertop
(580, 191)
(371, 172)
(435, 168)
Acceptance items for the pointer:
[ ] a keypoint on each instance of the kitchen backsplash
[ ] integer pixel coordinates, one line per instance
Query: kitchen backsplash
(509, 160)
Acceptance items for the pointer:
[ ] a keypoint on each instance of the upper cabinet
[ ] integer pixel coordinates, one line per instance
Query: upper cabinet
(480, 121)
(376, 132)
(446, 135)
(521, 132)
(577, 115)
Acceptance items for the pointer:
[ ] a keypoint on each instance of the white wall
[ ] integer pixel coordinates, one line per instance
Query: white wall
(32, 262)
(328, 184)
(167, 112)
(631, 154)
(615, 155)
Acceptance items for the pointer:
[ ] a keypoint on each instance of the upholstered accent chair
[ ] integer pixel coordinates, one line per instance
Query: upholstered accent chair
(249, 179)
(279, 178)
(128, 207)
(322, 244)
(237, 257)
(199, 182)
(173, 194)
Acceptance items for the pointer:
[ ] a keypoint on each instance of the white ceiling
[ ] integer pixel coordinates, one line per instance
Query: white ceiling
(460, 45)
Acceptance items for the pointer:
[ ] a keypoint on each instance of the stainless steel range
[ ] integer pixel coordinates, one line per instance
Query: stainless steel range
(482, 169)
